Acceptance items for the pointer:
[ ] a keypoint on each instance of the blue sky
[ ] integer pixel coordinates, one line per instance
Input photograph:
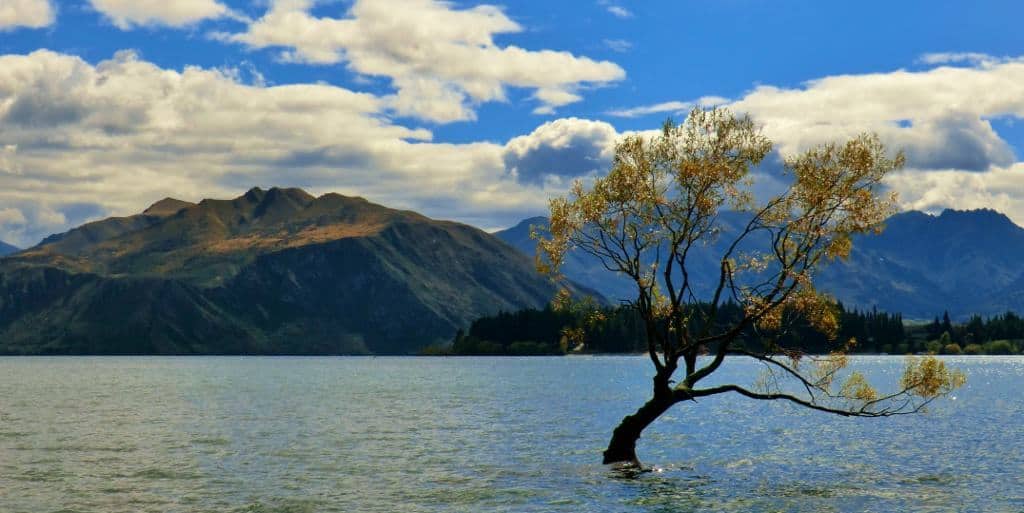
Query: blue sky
(478, 112)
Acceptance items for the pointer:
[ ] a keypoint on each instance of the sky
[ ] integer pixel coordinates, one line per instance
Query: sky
(480, 112)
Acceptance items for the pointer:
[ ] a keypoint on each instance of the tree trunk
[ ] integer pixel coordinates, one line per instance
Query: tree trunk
(622, 447)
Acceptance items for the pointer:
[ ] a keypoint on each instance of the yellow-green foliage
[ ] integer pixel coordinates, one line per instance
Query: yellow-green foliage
(928, 377)
(952, 348)
(1000, 347)
(857, 388)
(663, 196)
(974, 349)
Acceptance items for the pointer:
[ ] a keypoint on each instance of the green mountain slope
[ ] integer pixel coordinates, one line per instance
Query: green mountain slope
(276, 271)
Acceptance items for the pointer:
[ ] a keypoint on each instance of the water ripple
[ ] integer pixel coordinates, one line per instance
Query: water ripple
(306, 435)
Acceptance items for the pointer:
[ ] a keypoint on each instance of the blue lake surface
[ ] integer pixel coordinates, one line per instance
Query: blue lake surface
(240, 434)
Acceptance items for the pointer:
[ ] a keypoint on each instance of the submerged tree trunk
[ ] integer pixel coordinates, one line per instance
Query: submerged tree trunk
(622, 447)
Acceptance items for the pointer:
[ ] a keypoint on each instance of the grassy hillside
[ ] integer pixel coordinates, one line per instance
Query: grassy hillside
(275, 271)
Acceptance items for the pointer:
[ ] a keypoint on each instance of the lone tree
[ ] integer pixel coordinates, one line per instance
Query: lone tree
(661, 203)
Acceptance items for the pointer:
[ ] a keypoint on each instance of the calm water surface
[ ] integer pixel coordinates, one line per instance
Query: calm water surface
(389, 435)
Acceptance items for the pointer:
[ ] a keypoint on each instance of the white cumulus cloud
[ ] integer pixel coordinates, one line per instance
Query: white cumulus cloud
(25, 13)
(81, 141)
(441, 60)
(1000, 188)
(560, 150)
(11, 216)
(940, 117)
(174, 13)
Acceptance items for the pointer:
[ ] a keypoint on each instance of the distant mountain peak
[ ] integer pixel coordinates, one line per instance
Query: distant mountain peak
(979, 214)
(7, 249)
(274, 196)
(277, 202)
(290, 192)
(271, 271)
(211, 240)
(167, 207)
(911, 214)
(341, 197)
(534, 221)
(254, 195)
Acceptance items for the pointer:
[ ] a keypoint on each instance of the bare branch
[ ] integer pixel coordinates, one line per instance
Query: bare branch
(689, 394)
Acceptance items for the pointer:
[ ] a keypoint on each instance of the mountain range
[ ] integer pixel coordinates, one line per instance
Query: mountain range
(274, 271)
(7, 249)
(280, 271)
(966, 262)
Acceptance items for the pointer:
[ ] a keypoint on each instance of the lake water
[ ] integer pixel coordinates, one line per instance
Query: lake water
(213, 434)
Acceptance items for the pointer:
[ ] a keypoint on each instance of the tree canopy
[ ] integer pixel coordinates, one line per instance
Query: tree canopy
(663, 197)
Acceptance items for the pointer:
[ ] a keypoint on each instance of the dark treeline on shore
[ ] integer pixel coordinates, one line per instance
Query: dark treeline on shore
(552, 331)
(1002, 334)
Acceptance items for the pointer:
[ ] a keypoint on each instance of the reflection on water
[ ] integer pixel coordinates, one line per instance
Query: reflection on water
(477, 434)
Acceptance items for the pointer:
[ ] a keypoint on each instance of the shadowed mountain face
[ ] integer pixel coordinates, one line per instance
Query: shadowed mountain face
(7, 249)
(275, 271)
(586, 270)
(577, 266)
(963, 261)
